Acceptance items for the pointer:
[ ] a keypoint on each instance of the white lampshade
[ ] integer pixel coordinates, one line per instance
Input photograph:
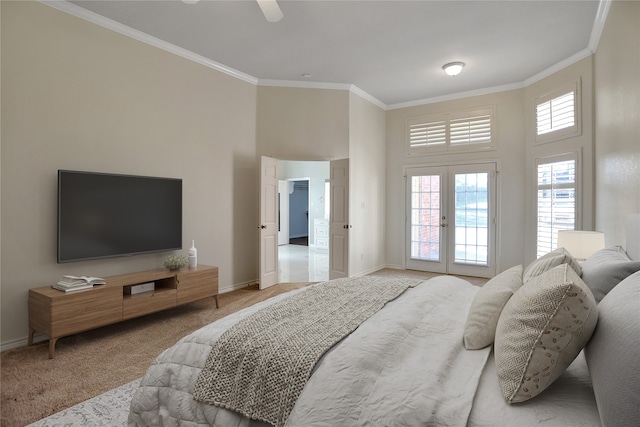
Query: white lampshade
(581, 244)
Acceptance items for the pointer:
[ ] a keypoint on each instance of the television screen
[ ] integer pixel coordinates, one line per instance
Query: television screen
(104, 215)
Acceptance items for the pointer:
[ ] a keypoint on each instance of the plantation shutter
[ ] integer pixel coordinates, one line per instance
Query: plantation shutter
(470, 130)
(556, 114)
(445, 131)
(422, 135)
(556, 201)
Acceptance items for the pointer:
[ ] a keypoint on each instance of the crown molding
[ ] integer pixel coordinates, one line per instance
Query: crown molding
(459, 95)
(321, 85)
(79, 12)
(598, 24)
(303, 84)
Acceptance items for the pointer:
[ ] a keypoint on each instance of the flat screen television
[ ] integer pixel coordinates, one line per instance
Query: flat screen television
(102, 215)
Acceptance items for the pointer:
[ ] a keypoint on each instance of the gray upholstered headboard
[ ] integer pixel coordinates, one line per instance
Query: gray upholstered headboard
(633, 236)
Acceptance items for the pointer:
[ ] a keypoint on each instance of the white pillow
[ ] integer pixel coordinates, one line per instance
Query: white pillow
(606, 268)
(613, 355)
(548, 261)
(480, 328)
(542, 328)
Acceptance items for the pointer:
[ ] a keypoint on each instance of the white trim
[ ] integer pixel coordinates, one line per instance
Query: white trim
(368, 271)
(79, 12)
(598, 24)
(364, 95)
(557, 67)
(303, 84)
(467, 94)
(323, 85)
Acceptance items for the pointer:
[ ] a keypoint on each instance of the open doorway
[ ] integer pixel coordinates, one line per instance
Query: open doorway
(303, 252)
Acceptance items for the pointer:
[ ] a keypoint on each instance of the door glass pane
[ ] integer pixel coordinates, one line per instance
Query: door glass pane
(425, 217)
(471, 218)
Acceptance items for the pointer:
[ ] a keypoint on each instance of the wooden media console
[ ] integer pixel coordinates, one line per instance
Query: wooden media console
(58, 314)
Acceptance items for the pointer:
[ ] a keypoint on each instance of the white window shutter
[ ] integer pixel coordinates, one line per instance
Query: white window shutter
(555, 114)
(471, 130)
(556, 200)
(422, 135)
(454, 130)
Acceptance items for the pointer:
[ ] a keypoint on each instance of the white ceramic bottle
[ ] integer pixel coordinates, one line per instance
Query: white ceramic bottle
(193, 255)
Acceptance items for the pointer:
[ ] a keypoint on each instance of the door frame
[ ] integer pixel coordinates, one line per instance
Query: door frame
(275, 213)
(493, 219)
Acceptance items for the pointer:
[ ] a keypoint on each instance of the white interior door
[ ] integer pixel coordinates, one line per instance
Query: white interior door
(268, 222)
(283, 212)
(339, 219)
(451, 219)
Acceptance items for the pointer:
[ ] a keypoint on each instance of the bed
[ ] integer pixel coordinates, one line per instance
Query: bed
(531, 347)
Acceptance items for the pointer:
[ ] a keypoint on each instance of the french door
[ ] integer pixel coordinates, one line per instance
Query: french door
(450, 226)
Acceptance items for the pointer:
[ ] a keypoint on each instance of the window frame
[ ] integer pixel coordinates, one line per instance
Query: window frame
(445, 120)
(567, 132)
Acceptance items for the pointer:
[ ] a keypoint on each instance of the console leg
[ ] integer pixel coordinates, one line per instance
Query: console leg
(216, 297)
(52, 347)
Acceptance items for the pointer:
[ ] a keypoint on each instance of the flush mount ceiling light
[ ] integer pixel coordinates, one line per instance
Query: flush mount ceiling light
(453, 68)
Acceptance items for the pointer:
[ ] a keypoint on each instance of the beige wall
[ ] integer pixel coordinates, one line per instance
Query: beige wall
(617, 121)
(302, 124)
(329, 124)
(77, 96)
(509, 156)
(366, 186)
(582, 145)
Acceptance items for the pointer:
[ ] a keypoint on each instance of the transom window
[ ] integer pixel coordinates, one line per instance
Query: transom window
(558, 114)
(468, 130)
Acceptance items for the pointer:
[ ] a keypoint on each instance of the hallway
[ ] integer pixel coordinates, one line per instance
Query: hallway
(302, 264)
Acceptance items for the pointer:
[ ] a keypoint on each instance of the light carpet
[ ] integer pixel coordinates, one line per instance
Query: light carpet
(110, 409)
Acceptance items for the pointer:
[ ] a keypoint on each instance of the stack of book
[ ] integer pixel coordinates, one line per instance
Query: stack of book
(77, 283)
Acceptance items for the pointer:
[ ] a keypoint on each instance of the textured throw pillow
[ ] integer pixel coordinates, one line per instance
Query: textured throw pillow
(542, 328)
(480, 328)
(613, 355)
(548, 261)
(606, 268)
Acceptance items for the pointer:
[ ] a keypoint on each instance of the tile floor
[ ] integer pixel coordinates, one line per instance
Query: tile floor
(307, 264)
(302, 264)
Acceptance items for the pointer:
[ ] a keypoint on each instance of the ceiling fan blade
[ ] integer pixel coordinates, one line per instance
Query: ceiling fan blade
(271, 10)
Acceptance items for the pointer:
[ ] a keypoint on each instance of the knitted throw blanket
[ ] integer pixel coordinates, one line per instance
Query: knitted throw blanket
(259, 366)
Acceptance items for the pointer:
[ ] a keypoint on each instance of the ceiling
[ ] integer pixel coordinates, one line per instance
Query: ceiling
(393, 51)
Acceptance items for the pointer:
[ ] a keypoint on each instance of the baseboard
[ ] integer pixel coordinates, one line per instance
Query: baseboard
(22, 342)
(395, 266)
(237, 286)
(369, 271)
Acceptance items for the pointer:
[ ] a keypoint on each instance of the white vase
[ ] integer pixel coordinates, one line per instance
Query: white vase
(193, 255)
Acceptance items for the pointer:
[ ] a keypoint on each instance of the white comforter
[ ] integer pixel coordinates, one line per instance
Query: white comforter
(404, 366)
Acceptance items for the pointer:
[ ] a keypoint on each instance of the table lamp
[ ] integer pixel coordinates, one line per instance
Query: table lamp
(580, 243)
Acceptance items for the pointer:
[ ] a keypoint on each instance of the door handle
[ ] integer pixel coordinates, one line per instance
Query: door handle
(347, 226)
(262, 226)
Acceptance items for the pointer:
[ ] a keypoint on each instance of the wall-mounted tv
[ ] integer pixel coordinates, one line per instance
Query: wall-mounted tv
(103, 215)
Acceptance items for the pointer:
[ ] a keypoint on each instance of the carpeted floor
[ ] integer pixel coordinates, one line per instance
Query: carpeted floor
(96, 362)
